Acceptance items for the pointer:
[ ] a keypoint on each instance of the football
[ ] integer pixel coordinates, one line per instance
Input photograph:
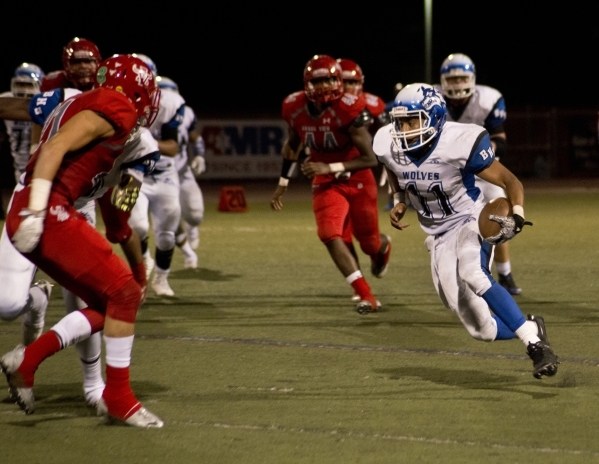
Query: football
(498, 206)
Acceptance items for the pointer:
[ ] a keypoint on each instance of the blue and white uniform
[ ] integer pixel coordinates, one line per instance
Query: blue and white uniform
(486, 108)
(441, 187)
(19, 136)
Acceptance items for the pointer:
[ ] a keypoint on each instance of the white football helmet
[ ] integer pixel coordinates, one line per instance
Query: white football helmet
(167, 83)
(458, 76)
(26, 81)
(420, 101)
(148, 61)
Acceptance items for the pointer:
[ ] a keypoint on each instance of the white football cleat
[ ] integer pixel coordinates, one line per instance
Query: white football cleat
(32, 322)
(20, 394)
(142, 418)
(191, 262)
(160, 284)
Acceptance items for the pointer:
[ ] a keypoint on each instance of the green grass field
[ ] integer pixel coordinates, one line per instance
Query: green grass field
(261, 357)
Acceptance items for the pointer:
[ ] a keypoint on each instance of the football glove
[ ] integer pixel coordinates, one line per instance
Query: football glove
(198, 165)
(27, 236)
(510, 226)
(125, 194)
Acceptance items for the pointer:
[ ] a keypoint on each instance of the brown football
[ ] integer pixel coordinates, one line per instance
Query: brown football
(498, 206)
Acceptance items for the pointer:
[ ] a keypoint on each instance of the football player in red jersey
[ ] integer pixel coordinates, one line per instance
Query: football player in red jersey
(81, 142)
(353, 82)
(80, 61)
(333, 127)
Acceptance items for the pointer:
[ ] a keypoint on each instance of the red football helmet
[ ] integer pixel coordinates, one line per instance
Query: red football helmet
(323, 79)
(133, 78)
(80, 60)
(352, 73)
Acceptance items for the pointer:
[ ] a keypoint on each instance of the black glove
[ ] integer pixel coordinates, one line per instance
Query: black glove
(520, 222)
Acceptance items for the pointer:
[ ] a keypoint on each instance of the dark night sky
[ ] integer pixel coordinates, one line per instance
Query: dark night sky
(243, 60)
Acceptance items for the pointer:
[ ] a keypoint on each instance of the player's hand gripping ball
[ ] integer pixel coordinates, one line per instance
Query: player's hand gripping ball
(497, 207)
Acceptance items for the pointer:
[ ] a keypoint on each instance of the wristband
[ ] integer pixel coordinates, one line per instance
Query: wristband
(336, 167)
(283, 182)
(398, 197)
(40, 192)
(517, 209)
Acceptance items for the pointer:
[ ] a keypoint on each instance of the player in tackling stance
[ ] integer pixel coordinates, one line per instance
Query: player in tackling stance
(81, 141)
(435, 162)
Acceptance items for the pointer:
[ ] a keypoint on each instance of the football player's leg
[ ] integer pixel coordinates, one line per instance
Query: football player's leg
(331, 210)
(166, 216)
(140, 222)
(16, 274)
(192, 213)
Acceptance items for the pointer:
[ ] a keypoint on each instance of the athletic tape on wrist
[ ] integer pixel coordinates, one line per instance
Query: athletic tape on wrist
(519, 210)
(283, 182)
(336, 167)
(40, 192)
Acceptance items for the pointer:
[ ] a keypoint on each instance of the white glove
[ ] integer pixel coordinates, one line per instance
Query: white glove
(198, 165)
(510, 226)
(27, 236)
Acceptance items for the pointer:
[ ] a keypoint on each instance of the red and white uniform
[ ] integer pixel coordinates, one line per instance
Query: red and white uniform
(70, 250)
(337, 197)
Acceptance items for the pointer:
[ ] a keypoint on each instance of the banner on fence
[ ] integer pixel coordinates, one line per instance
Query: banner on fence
(249, 149)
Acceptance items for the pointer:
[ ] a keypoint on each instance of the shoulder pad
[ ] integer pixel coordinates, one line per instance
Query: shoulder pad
(364, 119)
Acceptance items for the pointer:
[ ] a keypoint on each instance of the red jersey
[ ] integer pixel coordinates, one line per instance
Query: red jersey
(326, 134)
(56, 80)
(374, 104)
(83, 171)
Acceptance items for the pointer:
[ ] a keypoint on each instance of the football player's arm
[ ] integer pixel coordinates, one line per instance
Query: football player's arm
(399, 202)
(82, 129)
(14, 108)
(169, 145)
(290, 153)
(501, 176)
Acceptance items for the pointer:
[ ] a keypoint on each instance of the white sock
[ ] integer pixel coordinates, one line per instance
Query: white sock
(503, 268)
(118, 351)
(353, 276)
(528, 332)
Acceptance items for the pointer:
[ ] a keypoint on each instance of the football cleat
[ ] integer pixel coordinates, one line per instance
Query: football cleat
(160, 284)
(148, 264)
(507, 282)
(380, 263)
(141, 418)
(18, 391)
(543, 358)
(32, 322)
(191, 262)
(368, 305)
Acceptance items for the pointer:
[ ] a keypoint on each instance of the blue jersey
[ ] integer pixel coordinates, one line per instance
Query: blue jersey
(441, 185)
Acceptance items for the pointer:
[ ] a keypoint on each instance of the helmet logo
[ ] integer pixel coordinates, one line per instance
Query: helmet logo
(143, 76)
(431, 98)
(101, 76)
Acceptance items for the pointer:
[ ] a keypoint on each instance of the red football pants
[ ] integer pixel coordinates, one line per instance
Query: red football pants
(334, 202)
(80, 259)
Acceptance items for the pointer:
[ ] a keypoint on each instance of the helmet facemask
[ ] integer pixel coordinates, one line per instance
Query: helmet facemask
(411, 139)
(458, 84)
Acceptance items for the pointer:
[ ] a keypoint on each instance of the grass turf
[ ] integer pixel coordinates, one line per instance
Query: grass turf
(261, 356)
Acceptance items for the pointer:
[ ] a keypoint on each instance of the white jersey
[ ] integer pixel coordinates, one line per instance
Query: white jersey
(441, 185)
(140, 147)
(170, 115)
(187, 124)
(486, 107)
(19, 135)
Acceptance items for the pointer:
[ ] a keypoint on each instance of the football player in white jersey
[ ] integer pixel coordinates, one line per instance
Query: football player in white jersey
(159, 195)
(435, 162)
(190, 194)
(25, 83)
(468, 102)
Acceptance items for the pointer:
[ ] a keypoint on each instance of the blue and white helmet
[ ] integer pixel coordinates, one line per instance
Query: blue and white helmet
(420, 101)
(167, 83)
(148, 61)
(458, 65)
(26, 81)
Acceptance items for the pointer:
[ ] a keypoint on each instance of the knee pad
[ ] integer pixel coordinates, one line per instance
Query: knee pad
(165, 240)
(487, 332)
(124, 302)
